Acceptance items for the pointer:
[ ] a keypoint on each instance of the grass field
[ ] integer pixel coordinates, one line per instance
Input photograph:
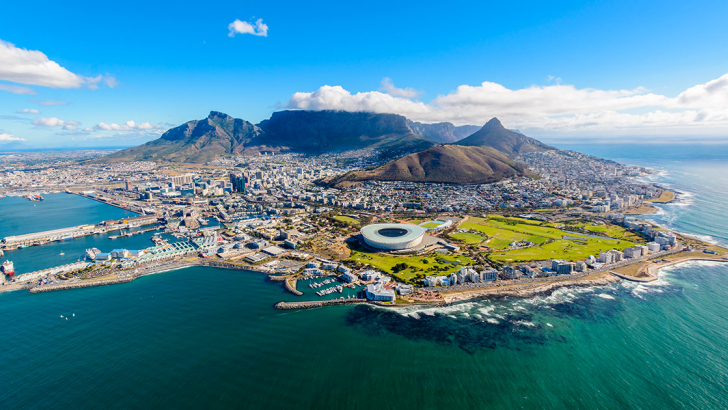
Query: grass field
(469, 238)
(614, 231)
(528, 229)
(500, 234)
(665, 196)
(431, 225)
(347, 220)
(561, 249)
(427, 265)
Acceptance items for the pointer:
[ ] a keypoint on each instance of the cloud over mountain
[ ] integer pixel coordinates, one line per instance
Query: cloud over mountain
(555, 107)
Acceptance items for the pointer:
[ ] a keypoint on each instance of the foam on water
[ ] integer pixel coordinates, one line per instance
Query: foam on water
(606, 296)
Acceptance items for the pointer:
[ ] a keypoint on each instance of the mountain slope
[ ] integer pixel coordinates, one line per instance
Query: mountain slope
(442, 132)
(326, 131)
(195, 141)
(511, 143)
(451, 164)
(315, 132)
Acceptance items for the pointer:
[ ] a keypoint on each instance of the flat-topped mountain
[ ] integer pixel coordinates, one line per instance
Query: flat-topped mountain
(452, 164)
(442, 132)
(330, 131)
(495, 135)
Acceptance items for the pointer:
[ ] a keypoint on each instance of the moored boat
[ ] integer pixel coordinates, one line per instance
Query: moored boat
(8, 268)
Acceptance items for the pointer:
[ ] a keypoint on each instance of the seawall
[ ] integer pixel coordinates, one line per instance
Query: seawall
(81, 284)
(316, 303)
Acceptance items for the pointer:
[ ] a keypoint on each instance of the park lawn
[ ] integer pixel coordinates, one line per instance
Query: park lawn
(561, 249)
(500, 238)
(467, 237)
(515, 219)
(385, 262)
(430, 225)
(347, 220)
(542, 231)
(616, 232)
(612, 231)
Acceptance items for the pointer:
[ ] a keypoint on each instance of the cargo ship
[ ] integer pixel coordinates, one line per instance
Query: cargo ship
(8, 268)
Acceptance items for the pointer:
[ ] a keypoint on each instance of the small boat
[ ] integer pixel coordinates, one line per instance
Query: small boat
(62, 253)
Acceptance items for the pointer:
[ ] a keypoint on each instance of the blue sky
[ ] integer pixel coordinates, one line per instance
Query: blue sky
(554, 70)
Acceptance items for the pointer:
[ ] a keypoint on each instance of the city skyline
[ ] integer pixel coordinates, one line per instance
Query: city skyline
(604, 72)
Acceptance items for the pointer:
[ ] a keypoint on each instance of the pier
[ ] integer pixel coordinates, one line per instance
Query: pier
(316, 303)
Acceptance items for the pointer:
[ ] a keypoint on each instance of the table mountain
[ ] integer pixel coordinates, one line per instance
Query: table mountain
(319, 132)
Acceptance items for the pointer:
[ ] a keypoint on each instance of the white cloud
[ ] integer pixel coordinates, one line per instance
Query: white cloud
(8, 138)
(128, 126)
(554, 107)
(713, 94)
(56, 122)
(243, 27)
(28, 111)
(32, 67)
(388, 87)
(17, 89)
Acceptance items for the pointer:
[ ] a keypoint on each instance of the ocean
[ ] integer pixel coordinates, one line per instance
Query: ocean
(205, 337)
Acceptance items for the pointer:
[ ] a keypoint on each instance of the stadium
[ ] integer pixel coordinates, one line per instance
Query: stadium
(392, 237)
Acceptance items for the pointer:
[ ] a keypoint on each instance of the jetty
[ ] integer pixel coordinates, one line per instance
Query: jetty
(317, 303)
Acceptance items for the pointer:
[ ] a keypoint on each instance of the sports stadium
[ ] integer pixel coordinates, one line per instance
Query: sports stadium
(392, 237)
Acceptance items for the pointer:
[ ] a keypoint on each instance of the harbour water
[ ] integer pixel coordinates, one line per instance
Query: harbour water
(206, 337)
(20, 216)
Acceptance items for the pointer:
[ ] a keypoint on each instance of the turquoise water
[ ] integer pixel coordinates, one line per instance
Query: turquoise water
(20, 216)
(204, 337)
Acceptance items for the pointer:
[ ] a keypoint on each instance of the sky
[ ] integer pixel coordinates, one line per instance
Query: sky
(119, 74)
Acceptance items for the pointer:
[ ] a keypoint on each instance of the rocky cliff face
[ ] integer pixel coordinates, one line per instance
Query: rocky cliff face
(326, 131)
(196, 141)
(442, 132)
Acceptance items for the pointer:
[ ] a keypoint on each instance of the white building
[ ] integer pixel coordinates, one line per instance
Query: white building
(377, 292)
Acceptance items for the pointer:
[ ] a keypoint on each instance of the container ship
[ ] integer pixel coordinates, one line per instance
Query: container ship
(8, 268)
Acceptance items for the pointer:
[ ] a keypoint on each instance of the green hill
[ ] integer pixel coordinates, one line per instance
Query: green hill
(450, 164)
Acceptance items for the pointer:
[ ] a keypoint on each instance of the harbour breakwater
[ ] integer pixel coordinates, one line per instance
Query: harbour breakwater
(291, 287)
(317, 303)
(81, 284)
